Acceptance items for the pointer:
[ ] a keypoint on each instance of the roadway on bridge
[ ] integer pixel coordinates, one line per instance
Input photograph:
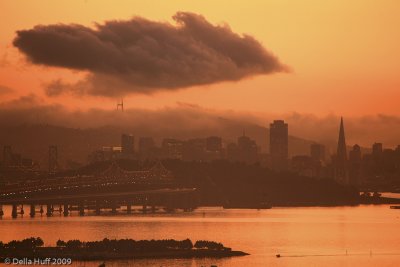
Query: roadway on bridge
(60, 199)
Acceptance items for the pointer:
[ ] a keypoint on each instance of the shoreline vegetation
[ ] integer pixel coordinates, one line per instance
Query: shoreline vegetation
(362, 201)
(112, 249)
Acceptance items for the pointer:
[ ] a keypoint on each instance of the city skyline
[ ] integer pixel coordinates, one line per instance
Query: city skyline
(200, 133)
(348, 165)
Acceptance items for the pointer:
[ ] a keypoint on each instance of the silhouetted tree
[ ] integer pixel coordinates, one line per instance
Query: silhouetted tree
(74, 244)
(61, 243)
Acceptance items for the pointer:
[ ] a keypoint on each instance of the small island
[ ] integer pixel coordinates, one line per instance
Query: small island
(106, 249)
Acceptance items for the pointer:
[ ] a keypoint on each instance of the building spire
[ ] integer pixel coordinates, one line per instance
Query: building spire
(341, 172)
(341, 148)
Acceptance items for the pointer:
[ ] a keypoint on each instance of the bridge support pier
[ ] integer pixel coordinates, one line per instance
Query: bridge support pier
(97, 209)
(1, 211)
(187, 203)
(66, 210)
(113, 207)
(22, 212)
(41, 210)
(170, 207)
(14, 212)
(49, 210)
(32, 211)
(152, 203)
(81, 209)
(129, 208)
(145, 203)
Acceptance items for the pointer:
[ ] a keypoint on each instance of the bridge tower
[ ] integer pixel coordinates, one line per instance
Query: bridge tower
(120, 105)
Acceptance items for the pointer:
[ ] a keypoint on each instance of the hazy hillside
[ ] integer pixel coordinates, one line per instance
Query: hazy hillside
(75, 144)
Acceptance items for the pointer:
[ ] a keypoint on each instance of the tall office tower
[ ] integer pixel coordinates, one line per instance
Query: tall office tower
(127, 144)
(278, 145)
(53, 158)
(355, 165)
(7, 156)
(355, 154)
(172, 148)
(213, 148)
(317, 152)
(341, 171)
(377, 149)
(146, 147)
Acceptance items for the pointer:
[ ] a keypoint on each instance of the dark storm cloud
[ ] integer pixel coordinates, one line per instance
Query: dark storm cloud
(140, 55)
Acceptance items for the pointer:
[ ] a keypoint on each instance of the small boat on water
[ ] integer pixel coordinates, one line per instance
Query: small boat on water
(395, 207)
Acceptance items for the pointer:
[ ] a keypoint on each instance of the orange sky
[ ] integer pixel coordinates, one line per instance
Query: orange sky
(345, 55)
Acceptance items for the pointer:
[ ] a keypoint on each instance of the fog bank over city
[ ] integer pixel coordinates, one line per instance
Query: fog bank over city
(186, 120)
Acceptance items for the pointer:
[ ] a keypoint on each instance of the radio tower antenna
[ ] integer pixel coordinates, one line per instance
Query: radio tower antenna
(120, 105)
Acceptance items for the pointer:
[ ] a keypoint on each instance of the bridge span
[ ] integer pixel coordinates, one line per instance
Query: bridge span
(114, 190)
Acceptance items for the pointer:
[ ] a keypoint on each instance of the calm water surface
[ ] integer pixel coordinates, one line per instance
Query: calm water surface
(312, 236)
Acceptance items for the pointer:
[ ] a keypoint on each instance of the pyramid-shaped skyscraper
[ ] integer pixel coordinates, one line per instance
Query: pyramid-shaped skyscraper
(341, 172)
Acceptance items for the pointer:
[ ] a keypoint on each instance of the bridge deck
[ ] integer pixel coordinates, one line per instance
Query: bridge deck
(95, 196)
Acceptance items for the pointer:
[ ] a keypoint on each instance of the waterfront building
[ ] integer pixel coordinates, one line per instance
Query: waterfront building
(53, 158)
(146, 147)
(355, 160)
(194, 149)
(214, 144)
(317, 152)
(247, 150)
(377, 149)
(127, 144)
(172, 148)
